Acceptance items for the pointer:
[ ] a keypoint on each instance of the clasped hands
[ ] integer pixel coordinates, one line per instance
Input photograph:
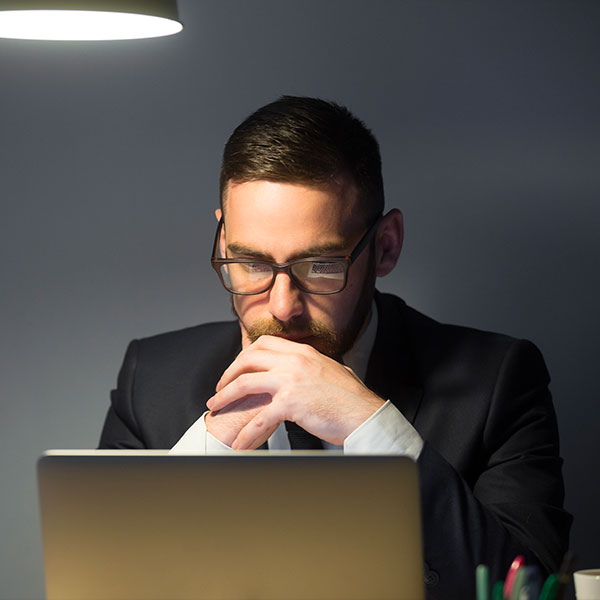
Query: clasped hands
(274, 380)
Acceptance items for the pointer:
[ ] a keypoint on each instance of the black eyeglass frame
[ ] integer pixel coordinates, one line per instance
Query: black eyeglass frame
(216, 263)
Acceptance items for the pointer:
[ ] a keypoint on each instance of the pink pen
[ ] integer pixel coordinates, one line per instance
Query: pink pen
(517, 563)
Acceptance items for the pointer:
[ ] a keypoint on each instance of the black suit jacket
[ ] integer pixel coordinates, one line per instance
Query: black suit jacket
(490, 471)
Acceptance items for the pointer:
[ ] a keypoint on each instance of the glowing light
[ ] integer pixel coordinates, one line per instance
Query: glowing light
(83, 25)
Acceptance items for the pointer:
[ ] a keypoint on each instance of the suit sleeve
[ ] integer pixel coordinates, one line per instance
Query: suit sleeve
(513, 503)
(121, 429)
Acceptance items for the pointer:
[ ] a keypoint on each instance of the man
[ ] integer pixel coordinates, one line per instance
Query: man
(318, 358)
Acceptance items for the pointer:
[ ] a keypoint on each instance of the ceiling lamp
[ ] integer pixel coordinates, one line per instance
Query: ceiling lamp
(88, 19)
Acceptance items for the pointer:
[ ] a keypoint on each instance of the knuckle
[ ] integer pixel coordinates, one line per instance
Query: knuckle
(311, 351)
(285, 396)
(240, 384)
(258, 343)
(301, 361)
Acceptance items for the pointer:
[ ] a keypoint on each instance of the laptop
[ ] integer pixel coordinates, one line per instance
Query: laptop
(146, 525)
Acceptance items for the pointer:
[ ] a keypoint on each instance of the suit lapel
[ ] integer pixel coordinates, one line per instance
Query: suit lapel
(391, 372)
(206, 381)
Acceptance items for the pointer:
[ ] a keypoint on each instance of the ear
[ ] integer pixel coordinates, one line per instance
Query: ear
(218, 214)
(390, 235)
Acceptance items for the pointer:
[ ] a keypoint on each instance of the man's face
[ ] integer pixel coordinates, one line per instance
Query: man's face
(279, 222)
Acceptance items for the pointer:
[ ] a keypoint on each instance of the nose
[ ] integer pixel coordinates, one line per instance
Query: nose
(285, 299)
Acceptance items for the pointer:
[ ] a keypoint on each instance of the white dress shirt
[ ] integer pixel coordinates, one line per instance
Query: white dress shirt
(386, 431)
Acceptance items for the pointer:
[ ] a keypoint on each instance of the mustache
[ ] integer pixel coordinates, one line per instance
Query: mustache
(298, 327)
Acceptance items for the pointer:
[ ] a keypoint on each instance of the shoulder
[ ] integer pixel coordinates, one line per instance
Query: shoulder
(181, 353)
(456, 351)
(214, 335)
(477, 389)
(434, 339)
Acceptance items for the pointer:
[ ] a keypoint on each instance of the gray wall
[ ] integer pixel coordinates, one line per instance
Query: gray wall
(487, 114)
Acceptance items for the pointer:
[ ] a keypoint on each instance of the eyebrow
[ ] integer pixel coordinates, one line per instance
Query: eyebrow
(312, 252)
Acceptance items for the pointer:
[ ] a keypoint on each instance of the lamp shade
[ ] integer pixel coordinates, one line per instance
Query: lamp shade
(88, 19)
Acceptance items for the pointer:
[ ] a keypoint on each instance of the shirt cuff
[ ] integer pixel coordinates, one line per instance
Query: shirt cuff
(387, 431)
(198, 440)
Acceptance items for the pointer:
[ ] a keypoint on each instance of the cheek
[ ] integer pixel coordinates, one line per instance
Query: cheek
(334, 311)
(238, 303)
(250, 303)
(354, 285)
(353, 299)
(245, 307)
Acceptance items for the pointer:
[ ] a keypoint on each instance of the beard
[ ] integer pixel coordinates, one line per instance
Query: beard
(326, 340)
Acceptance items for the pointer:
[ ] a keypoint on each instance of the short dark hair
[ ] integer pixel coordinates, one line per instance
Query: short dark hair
(307, 141)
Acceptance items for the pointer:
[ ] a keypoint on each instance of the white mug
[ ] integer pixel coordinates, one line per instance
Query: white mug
(587, 584)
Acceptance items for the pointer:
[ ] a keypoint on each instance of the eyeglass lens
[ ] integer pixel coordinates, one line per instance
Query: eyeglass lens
(256, 277)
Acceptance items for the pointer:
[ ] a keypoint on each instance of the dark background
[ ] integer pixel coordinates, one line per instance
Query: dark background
(488, 118)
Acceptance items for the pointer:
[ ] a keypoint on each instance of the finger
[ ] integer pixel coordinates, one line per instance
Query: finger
(244, 404)
(275, 342)
(265, 357)
(247, 361)
(246, 384)
(258, 430)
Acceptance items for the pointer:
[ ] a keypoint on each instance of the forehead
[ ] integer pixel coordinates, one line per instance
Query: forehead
(282, 219)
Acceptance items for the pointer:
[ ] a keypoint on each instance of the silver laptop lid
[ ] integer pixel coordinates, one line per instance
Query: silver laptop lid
(258, 526)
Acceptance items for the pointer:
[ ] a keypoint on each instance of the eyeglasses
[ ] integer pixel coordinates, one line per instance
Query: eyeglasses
(315, 275)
